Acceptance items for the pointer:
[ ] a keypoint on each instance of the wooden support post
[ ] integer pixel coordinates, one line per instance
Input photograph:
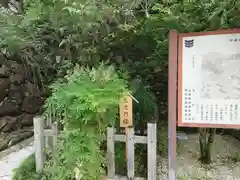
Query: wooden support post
(130, 153)
(152, 154)
(49, 139)
(130, 139)
(110, 152)
(172, 103)
(39, 143)
(54, 137)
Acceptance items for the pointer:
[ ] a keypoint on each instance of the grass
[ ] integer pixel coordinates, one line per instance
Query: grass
(27, 170)
(236, 157)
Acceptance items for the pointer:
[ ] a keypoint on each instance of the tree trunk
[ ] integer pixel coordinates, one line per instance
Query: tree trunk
(206, 139)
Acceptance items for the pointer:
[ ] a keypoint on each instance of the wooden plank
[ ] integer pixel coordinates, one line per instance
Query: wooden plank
(130, 152)
(172, 103)
(110, 153)
(152, 155)
(54, 137)
(39, 143)
(49, 139)
(126, 117)
(48, 132)
(137, 139)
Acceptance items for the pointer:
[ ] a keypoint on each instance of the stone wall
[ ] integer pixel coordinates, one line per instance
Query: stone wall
(20, 100)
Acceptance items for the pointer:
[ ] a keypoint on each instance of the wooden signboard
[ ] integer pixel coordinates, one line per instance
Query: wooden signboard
(208, 79)
(126, 118)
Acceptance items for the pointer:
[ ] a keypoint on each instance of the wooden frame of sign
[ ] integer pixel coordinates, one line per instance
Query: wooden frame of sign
(194, 83)
(208, 79)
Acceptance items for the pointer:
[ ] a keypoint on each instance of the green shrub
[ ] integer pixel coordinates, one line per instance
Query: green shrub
(27, 170)
(120, 158)
(86, 101)
(162, 141)
(140, 161)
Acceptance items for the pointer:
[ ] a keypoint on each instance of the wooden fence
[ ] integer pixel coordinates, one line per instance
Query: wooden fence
(130, 140)
(51, 133)
(40, 136)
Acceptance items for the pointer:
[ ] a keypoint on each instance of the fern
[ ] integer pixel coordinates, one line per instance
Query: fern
(87, 103)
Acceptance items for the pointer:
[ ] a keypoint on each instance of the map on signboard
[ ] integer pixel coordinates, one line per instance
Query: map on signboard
(220, 75)
(209, 79)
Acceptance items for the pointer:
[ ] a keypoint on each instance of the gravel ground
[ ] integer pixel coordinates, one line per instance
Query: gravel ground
(224, 166)
(12, 157)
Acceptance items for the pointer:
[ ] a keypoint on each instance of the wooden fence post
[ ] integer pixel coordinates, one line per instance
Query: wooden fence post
(49, 139)
(54, 137)
(110, 152)
(152, 155)
(130, 153)
(39, 142)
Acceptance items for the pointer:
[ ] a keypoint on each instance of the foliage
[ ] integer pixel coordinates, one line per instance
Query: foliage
(27, 170)
(140, 161)
(120, 159)
(162, 141)
(52, 36)
(87, 102)
(235, 157)
(145, 109)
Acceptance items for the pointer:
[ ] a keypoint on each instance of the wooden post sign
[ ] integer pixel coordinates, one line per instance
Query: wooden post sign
(126, 118)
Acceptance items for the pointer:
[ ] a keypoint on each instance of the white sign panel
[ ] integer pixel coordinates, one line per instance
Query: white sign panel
(209, 80)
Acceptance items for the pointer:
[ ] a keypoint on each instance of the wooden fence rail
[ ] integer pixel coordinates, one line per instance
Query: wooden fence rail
(130, 140)
(40, 135)
(51, 133)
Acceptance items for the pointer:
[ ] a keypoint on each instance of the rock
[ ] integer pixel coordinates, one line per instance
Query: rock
(8, 124)
(4, 71)
(11, 105)
(16, 94)
(2, 59)
(35, 90)
(32, 104)
(44, 93)
(19, 136)
(19, 69)
(25, 120)
(3, 124)
(9, 108)
(15, 57)
(29, 89)
(17, 79)
(9, 139)
(4, 86)
(15, 67)
(4, 140)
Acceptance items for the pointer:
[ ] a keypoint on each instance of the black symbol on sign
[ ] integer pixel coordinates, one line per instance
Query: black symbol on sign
(234, 40)
(189, 43)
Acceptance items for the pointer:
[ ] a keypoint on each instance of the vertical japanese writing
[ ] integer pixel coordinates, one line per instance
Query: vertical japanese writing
(126, 112)
(193, 61)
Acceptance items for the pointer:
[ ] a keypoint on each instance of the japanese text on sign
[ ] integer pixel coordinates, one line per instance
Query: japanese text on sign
(126, 112)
